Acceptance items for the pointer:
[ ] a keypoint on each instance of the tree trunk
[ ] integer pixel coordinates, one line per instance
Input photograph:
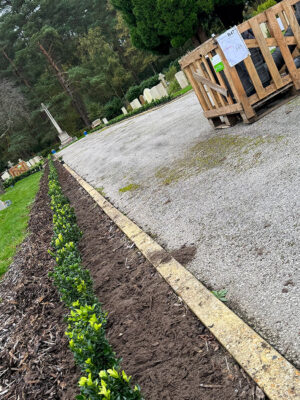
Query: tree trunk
(16, 70)
(76, 99)
(195, 41)
(200, 37)
(202, 34)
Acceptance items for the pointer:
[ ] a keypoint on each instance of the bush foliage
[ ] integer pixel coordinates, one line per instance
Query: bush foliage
(102, 377)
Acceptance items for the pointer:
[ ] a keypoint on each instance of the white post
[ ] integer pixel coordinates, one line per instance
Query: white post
(63, 136)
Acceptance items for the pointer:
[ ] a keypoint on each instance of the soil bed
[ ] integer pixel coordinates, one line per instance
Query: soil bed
(35, 361)
(169, 353)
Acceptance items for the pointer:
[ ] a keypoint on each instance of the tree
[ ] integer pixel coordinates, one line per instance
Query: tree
(156, 25)
(13, 111)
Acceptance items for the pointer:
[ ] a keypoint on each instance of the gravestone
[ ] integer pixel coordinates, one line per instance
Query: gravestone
(147, 95)
(155, 93)
(135, 104)
(124, 111)
(5, 176)
(162, 90)
(162, 79)
(37, 159)
(2, 205)
(105, 121)
(32, 162)
(28, 164)
(142, 100)
(181, 79)
(95, 123)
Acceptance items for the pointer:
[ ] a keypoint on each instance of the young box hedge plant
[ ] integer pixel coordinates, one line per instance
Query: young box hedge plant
(102, 377)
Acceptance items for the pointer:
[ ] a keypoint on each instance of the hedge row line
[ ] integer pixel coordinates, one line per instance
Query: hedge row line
(11, 181)
(145, 107)
(102, 377)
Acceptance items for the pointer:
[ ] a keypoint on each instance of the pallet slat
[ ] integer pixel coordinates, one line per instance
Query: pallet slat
(235, 83)
(213, 94)
(289, 61)
(202, 100)
(212, 78)
(255, 78)
(292, 20)
(266, 53)
(230, 109)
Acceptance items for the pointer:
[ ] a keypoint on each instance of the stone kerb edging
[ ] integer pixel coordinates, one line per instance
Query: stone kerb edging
(278, 378)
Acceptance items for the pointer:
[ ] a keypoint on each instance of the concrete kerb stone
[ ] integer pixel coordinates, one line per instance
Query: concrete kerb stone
(279, 379)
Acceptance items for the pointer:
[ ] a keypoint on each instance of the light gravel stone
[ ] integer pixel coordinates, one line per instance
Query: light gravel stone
(232, 193)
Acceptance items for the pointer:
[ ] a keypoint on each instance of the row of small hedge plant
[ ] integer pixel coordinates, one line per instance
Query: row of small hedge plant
(13, 180)
(102, 377)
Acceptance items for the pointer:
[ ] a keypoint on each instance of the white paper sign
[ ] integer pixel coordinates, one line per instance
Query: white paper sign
(233, 46)
(280, 23)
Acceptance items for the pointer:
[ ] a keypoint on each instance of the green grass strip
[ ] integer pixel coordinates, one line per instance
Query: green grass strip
(14, 219)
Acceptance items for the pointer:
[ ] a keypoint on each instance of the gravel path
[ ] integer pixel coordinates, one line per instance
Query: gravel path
(234, 194)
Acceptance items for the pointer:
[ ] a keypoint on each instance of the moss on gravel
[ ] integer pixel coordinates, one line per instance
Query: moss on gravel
(212, 153)
(129, 188)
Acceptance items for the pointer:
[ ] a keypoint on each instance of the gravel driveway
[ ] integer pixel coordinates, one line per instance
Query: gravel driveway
(234, 194)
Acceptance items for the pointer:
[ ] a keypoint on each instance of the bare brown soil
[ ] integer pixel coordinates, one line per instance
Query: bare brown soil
(170, 354)
(35, 362)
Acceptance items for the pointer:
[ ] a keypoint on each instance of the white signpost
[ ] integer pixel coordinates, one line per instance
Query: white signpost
(233, 46)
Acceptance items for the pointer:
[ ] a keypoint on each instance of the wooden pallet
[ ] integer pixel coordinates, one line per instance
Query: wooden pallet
(223, 107)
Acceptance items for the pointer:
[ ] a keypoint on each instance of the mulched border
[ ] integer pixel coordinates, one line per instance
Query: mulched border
(169, 353)
(35, 361)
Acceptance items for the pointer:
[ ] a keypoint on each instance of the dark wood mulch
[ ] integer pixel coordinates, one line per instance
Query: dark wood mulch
(35, 362)
(170, 354)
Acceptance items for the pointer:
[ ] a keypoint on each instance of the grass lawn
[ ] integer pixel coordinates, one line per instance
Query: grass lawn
(182, 91)
(14, 219)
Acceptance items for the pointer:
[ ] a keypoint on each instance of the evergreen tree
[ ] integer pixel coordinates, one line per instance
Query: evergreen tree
(156, 25)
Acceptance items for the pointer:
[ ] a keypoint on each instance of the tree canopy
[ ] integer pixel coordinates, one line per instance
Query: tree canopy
(72, 55)
(81, 57)
(156, 25)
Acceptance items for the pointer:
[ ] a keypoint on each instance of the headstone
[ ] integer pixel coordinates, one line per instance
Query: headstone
(32, 162)
(2, 205)
(28, 164)
(155, 93)
(5, 176)
(95, 123)
(105, 121)
(124, 111)
(142, 100)
(181, 79)
(135, 104)
(162, 90)
(10, 164)
(147, 95)
(265, 30)
(37, 159)
(162, 77)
